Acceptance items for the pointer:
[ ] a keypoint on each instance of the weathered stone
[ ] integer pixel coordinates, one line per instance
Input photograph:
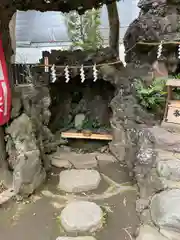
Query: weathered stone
(77, 160)
(149, 233)
(163, 155)
(60, 163)
(79, 180)
(81, 216)
(172, 235)
(6, 195)
(28, 173)
(145, 217)
(169, 169)
(166, 140)
(141, 204)
(76, 238)
(105, 157)
(84, 161)
(150, 184)
(146, 154)
(22, 133)
(165, 211)
(79, 120)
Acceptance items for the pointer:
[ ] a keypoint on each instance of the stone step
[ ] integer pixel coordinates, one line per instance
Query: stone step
(80, 160)
(76, 238)
(81, 216)
(6, 195)
(79, 180)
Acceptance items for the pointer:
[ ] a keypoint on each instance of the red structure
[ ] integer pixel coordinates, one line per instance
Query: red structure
(5, 91)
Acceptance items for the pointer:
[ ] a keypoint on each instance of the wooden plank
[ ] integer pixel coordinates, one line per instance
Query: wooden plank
(92, 136)
(173, 82)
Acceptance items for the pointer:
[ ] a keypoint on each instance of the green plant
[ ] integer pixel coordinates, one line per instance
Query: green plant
(91, 124)
(83, 30)
(151, 97)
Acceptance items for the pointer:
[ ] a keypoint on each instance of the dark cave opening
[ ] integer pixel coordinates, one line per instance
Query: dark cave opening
(81, 106)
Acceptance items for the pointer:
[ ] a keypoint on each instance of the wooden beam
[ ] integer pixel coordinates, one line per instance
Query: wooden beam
(93, 136)
(173, 82)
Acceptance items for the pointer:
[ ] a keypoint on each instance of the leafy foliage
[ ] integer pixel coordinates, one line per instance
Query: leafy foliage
(151, 97)
(83, 30)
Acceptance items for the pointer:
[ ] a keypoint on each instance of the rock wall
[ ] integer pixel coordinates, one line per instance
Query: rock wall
(157, 175)
(156, 165)
(28, 139)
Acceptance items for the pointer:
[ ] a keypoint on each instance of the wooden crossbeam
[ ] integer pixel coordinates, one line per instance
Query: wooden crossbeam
(92, 136)
(173, 82)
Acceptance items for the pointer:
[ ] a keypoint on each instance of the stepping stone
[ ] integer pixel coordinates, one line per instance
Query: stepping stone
(81, 216)
(79, 180)
(76, 238)
(78, 160)
(149, 233)
(6, 195)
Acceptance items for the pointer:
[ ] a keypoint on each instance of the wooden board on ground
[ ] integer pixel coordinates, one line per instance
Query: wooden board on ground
(92, 136)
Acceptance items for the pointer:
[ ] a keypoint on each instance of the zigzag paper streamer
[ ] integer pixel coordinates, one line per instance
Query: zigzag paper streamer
(179, 52)
(95, 71)
(82, 73)
(53, 73)
(67, 76)
(159, 52)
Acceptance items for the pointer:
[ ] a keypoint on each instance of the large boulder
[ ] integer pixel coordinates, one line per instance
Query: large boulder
(158, 20)
(166, 140)
(28, 172)
(165, 211)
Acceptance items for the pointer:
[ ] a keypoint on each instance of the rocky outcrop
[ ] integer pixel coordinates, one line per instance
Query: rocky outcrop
(28, 139)
(28, 172)
(158, 20)
(157, 175)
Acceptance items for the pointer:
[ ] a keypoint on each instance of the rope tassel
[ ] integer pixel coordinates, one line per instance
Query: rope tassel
(67, 76)
(82, 73)
(95, 73)
(159, 52)
(53, 73)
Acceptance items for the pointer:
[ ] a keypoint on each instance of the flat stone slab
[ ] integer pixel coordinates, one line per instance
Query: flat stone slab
(165, 210)
(6, 195)
(79, 180)
(76, 238)
(149, 233)
(77, 160)
(81, 216)
(169, 169)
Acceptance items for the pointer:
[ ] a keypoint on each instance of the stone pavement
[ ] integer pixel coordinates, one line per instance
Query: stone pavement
(158, 177)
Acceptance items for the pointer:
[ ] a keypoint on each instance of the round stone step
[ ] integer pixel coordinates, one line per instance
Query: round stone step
(76, 238)
(79, 180)
(81, 216)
